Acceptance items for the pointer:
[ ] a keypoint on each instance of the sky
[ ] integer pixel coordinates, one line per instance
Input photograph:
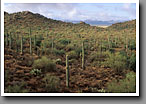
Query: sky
(78, 11)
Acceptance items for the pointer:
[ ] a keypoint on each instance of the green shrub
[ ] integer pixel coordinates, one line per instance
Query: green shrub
(132, 45)
(36, 72)
(117, 62)
(17, 88)
(70, 47)
(72, 55)
(64, 41)
(58, 52)
(96, 56)
(112, 50)
(78, 50)
(45, 64)
(127, 85)
(52, 83)
(132, 62)
(39, 38)
(59, 46)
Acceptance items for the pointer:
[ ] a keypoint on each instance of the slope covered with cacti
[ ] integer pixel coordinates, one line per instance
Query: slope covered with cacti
(46, 55)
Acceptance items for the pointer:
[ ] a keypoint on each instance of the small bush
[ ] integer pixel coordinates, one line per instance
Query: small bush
(64, 41)
(52, 83)
(45, 64)
(117, 62)
(70, 47)
(39, 38)
(58, 52)
(72, 55)
(132, 62)
(18, 88)
(132, 45)
(78, 50)
(59, 46)
(36, 72)
(96, 56)
(127, 85)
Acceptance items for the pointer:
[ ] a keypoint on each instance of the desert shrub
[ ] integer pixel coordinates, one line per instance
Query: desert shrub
(72, 55)
(45, 64)
(127, 85)
(52, 83)
(96, 56)
(58, 52)
(112, 50)
(132, 62)
(123, 53)
(70, 47)
(39, 38)
(78, 50)
(59, 46)
(17, 88)
(36, 72)
(132, 45)
(116, 61)
(64, 41)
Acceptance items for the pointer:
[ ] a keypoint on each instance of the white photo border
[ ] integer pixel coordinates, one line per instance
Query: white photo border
(70, 94)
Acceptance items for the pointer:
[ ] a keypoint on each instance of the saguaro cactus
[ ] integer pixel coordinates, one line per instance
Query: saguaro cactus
(67, 72)
(109, 43)
(52, 43)
(17, 42)
(30, 40)
(22, 44)
(6, 38)
(83, 56)
(35, 42)
(10, 41)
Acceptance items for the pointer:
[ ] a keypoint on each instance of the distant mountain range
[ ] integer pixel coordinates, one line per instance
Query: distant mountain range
(95, 22)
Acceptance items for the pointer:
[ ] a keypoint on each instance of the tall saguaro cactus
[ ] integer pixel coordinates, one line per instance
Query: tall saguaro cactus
(52, 43)
(109, 46)
(83, 56)
(6, 38)
(67, 72)
(35, 42)
(22, 44)
(10, 41)
(30, 40)
(17, 42)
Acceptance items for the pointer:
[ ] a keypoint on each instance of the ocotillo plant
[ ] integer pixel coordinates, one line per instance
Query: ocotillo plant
(83, 56)
(30, 40)
(67, 72)
(10, 41)
(22, 44)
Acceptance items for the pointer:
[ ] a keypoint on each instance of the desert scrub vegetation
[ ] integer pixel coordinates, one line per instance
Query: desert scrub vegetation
(45, 64)
(17, 88)
(132, 62)
(36, 72)
(127, 85)
(104, 53)
(52, 83)
(116, 61)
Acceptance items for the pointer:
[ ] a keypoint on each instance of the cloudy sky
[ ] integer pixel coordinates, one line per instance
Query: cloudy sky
(78, 11)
